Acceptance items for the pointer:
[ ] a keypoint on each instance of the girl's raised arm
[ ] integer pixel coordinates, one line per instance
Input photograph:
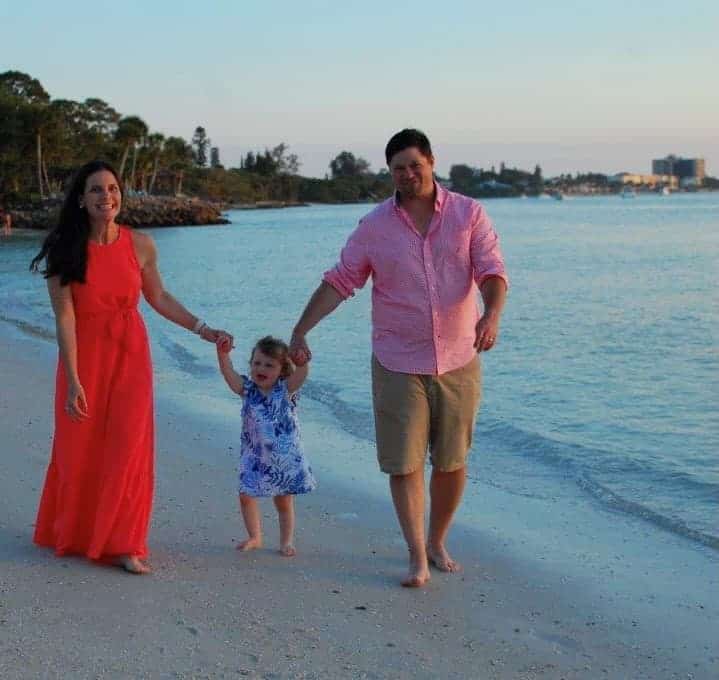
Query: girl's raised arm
(232, 377)
(299, 375)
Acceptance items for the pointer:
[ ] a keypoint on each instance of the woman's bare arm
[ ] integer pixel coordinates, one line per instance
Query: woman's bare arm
(64, 310)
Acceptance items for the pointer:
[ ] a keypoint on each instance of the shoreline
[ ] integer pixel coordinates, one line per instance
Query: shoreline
(528, 605)
(169, 211)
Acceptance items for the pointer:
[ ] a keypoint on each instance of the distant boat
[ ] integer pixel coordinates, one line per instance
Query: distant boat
(665, 191)
(557, 195)
(628, 192)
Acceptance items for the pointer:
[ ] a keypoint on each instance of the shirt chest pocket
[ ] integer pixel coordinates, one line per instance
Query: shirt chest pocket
(454, 248)
(388, 267)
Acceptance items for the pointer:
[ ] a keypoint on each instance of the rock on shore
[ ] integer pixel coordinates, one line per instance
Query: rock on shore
(137, 211)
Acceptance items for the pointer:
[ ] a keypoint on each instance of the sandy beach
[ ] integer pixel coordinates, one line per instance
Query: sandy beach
(527, 605)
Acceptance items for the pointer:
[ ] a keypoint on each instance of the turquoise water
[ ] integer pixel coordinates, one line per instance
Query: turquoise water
(607, 369)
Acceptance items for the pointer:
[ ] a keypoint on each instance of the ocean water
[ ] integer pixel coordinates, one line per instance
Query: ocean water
(606, 374)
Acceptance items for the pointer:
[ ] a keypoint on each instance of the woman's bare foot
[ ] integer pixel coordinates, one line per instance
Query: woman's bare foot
(441, 559)
(288, 550)
(133, 565)
(249, 544)
(418, 574)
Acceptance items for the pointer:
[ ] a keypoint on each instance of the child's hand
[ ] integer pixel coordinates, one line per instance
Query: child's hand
(299, 350)
(224, 345)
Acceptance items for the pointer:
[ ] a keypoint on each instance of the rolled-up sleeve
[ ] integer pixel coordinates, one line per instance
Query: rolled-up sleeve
(353, 268)
(486, 256)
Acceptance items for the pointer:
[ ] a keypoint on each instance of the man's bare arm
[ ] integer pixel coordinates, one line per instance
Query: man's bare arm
(323, 302)
(494, 293)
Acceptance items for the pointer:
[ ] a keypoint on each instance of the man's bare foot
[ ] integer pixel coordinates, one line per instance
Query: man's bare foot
(418, 574)
(249, 544)
(288, 550)
(441, 559)
(133, 565)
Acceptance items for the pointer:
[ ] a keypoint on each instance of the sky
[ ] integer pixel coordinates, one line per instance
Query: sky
(573, 86)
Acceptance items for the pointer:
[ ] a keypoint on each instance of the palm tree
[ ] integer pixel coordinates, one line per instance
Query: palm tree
(155, 144)
(130, 131)
(178, 157)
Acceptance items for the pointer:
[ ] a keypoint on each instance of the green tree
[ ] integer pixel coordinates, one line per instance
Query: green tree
(32, 102)
(23, 87)
(131, 130)
(155, 146)
(537, 182)
(345, 164)
(248, 162)
(272, 162)
(200, 144)
(178, 157)
(284, 163)
(463, 178)
(100, 121)
(66, 141)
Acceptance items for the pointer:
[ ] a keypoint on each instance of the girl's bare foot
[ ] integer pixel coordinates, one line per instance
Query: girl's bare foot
(441, 559)
(418, 574)
(133, 565)
(249, 544)
(288, 550)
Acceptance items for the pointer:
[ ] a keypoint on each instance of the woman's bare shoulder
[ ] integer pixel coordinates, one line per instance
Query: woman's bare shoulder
(144, 243)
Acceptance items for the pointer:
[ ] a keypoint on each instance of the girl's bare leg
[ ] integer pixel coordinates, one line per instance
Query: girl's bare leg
(250, 509)
(286, 512)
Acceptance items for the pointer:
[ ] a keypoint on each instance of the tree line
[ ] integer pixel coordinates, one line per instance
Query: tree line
(43, 140)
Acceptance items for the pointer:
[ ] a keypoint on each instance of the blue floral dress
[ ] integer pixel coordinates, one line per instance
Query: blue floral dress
(271, 459)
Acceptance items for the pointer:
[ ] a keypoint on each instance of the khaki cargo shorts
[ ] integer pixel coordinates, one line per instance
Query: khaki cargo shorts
(415, 412)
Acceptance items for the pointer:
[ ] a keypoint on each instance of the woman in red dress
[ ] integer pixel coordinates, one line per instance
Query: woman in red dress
(97, 498)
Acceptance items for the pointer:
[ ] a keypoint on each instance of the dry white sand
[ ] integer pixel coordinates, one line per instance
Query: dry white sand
(334, 611)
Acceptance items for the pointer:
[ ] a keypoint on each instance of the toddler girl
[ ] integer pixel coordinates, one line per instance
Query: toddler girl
(271, 459)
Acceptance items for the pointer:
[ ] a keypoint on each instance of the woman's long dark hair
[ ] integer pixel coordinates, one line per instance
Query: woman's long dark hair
(65, 247)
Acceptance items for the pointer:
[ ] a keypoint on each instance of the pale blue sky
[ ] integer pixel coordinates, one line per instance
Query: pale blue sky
(574, 86)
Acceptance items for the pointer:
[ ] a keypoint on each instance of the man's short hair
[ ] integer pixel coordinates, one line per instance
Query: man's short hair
(406, 139)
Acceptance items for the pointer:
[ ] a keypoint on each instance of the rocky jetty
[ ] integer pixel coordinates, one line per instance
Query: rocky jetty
(137, 211)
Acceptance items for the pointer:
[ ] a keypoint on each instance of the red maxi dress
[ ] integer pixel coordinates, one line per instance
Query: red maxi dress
(98, 491)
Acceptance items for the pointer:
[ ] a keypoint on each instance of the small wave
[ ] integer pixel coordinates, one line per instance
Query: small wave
(29, 328)
(569, 458)
(357, 421)
(677, 526)
(575, 458)
(185, 360)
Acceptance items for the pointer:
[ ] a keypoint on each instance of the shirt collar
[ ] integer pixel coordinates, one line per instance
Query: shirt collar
(440, 196)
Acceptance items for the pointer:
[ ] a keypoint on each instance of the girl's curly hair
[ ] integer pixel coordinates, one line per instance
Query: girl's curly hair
(278, 350)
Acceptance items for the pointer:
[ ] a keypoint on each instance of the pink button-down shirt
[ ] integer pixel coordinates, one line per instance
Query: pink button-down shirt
(424, 292)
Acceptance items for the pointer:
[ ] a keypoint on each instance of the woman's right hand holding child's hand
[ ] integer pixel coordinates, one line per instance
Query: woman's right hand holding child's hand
(224, 345)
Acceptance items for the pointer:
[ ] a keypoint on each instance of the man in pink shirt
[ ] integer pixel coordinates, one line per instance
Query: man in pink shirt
(427, 250)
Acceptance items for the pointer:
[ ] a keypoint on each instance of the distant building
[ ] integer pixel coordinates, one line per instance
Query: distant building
(664, 166)
(687, 170)
(651, 181)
